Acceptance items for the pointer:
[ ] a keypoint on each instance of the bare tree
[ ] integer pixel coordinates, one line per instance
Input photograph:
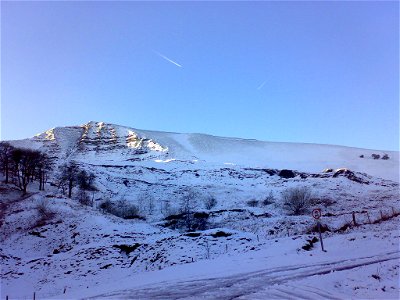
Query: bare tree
(189, 203)
(85, 181)
(24, 165)
(44, 166)
(297, 200)
(68, 176)
(145, 202)
(5, 158)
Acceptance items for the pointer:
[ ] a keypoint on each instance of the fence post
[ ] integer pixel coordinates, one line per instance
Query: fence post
(34, 295)
(369, 220)
(393, 211)
(354, 219)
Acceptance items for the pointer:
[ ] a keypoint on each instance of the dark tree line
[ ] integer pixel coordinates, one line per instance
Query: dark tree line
(22, 166)
(5, 159)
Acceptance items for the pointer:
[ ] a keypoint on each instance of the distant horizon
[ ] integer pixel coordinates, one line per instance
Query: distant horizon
(294, 72)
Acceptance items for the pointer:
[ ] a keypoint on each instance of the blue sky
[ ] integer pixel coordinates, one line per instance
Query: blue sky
(317, 72)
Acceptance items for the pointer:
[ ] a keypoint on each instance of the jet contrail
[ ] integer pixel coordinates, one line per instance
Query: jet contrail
(166, 58)
(261, 85)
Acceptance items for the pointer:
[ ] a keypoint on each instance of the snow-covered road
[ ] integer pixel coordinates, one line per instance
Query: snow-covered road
(279, 282)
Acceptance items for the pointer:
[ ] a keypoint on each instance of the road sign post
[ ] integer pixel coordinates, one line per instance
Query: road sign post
(316, 213)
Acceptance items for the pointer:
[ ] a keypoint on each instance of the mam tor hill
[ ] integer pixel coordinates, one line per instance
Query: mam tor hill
(178, 206)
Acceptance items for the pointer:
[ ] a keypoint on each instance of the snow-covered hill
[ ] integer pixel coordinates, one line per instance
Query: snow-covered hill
(84, 251)
(99, 143)
(133, 164)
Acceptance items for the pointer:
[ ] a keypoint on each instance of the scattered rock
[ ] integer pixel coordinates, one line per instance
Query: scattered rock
(221, 234)
(36, 233)
(106, 266)
(287, 174)
(127, 249)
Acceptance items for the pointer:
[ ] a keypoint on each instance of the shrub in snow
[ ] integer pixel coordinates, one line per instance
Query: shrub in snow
(210, 202)
(269, 199)
(252, 203)
(106, 205)
(84, 198)
(45, 213)
(362, 156)
(166, 209)
(188, 221)
(146, 203)
(43, 209)
(385, 156)
(325, 202)
(375, 156)
(322, 227)
(125, 210)
(297, 200)
(200, 221)
(310, 244)
(132, 212)
(121, 209)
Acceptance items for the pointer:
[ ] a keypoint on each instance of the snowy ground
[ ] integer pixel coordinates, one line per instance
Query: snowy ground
(357, 264)
(246, 252)
(362, 262)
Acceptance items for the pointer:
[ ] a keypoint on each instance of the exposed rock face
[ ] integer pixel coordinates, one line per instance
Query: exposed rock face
(350, 175)
(287, 174)
(98, 139)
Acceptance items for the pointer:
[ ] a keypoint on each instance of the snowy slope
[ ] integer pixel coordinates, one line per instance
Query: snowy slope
(347, 268)
(253, 153)
(131, 164)
(99, 141)
(79, 250)
(245, 251)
